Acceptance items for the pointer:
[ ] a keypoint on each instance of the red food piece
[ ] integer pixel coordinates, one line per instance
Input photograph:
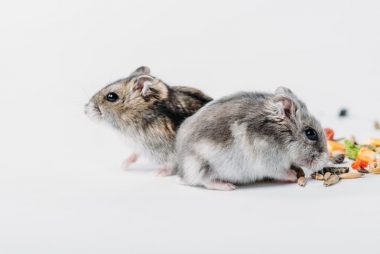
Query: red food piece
(355, 165)
(358, 164)
(363, 164)
(329, 133)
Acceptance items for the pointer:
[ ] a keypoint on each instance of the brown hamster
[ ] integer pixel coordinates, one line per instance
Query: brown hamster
(147, 111)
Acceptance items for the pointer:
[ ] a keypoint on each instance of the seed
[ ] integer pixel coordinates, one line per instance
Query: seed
(326, 175)
(343, 112)
(301, 181)
(334, 170)
(362, 170)
(351, 175)
(372, 165)
(317, 176)
(338, 159)
(333, 179)
(375, 170)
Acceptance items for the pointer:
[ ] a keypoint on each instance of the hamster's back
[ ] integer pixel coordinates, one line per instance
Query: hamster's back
(190, 99)
(213, 121)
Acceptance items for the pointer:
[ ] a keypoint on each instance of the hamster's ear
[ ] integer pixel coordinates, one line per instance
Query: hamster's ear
(285, 91)
(143, 70)
(148, 85)
(143, 84)
(285, 106)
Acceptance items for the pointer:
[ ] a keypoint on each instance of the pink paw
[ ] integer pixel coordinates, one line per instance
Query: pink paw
(129, 161)
(291, 176)
(220, 185)
(165, 171)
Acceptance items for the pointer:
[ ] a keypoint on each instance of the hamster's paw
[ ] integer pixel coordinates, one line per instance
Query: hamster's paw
(301, 181)
(165, 170)
(129, 161)
(219, 185)
(291, 176)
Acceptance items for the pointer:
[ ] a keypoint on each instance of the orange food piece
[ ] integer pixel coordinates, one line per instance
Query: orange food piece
(358, 164)
(335, 146)
(355, 165)
(329, 133)
(375, 141)
(366, 154)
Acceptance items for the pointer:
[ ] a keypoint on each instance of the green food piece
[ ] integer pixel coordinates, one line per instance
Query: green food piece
(352, 150)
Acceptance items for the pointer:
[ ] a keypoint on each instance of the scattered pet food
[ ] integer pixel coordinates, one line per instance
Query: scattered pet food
(351, 175)
(375, 142)
(359, 164)
(317, 176)
(334, 170)
(338, 159)
(351, 149)
(329, 133)
(364, 171)
(365, 159)
(326, 175)
(343, 112)
(333, 179)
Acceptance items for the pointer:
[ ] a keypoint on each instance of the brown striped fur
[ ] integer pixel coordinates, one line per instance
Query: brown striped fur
(148, 114)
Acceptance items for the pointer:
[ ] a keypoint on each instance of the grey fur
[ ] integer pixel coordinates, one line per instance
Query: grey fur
(267, 130)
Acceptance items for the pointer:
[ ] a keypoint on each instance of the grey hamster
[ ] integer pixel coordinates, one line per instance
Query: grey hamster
(148, 111)
(247, 137)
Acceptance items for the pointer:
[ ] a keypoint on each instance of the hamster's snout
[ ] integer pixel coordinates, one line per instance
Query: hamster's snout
(317, 162)
(92, 111)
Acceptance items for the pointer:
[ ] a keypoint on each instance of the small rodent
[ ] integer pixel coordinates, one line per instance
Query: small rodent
(147, 111)
(247, 137)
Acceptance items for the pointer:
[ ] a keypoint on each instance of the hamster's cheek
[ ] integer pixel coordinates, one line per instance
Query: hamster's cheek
(124, 117)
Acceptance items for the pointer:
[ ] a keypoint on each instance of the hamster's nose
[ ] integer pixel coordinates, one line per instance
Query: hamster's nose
(92, 110)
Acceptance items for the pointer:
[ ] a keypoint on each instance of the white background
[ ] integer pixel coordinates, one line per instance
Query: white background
(61, 187)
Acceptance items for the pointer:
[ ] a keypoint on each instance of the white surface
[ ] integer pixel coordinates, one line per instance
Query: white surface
(61, 189)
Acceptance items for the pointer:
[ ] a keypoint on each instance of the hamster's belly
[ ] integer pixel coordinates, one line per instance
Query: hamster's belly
(239, 169)
(243, 170)
(238, 164)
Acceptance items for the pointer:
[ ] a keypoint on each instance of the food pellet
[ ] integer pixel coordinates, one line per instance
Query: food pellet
(326, 175)
(338, 159)
(317, 176)
(375, 170)
(350, 175)
(333, 179)
(334, 170)
(362, 170)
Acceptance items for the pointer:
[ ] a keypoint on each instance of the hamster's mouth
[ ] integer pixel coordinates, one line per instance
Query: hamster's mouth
(316, 163)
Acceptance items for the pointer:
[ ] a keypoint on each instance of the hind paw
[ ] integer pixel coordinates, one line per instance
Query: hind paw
(219, 185)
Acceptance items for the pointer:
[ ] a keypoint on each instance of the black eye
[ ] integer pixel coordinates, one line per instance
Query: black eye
(311, 134)
(112, 97)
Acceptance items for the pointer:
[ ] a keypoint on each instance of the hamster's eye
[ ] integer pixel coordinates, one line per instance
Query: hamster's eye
(112, 97)
(311, 134)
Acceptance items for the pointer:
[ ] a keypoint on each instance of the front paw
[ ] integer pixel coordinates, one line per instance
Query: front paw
(291, 176)
(166, 170)
(129, 161)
